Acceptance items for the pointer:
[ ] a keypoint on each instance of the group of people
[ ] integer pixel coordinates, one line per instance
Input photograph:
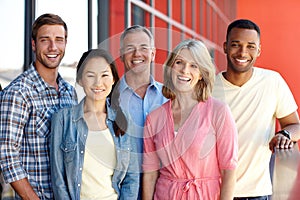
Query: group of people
(197, 135)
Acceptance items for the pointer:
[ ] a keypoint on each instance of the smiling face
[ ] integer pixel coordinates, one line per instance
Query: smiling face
(185, 73)
(242, 49)
(137, 52)
(49, 46)
(97, 79)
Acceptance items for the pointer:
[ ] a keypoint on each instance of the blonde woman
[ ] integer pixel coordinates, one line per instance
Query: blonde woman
(190, 144)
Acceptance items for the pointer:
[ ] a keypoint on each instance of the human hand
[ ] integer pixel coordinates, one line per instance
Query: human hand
(280, 142)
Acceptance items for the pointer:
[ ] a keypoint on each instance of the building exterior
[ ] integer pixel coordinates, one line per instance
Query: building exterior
(172, 21)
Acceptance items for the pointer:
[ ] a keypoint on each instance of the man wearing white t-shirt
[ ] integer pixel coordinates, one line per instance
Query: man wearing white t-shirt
(257, 97)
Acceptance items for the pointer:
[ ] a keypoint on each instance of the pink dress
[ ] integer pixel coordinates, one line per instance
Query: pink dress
(189, 163)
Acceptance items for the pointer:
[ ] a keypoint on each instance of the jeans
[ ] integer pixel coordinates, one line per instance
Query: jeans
(251, 198)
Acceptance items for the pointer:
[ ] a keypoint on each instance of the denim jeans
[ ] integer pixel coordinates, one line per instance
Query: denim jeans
(251, 198)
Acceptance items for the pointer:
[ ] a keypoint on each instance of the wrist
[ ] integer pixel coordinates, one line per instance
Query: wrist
(285, 133)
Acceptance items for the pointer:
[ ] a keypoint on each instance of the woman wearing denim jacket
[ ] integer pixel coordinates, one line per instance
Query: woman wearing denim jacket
(89, 150)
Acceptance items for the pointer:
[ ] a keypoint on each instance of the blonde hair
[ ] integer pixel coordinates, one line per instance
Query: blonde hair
(200, 54)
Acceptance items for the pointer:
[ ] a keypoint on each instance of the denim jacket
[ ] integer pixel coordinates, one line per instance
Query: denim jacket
(67, 146)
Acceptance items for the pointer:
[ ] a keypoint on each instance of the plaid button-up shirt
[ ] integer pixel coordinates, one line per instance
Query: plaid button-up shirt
(26, 106)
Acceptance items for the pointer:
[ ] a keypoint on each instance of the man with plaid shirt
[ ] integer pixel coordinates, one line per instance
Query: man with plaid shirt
(27, 105)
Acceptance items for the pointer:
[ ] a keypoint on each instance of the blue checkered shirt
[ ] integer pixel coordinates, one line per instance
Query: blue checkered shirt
(26, 106)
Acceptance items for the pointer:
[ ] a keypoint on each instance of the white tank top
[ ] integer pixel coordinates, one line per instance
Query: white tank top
(98, 167)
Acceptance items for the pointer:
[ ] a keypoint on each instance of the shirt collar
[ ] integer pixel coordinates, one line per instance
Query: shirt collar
(123, 84)
(41, 85)
(78, 112)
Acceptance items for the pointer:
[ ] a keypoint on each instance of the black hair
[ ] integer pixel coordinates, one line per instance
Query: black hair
(242, 23)
(120, 124)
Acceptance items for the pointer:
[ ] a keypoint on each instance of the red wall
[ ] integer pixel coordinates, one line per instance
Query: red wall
(279, 22)
(208, 22)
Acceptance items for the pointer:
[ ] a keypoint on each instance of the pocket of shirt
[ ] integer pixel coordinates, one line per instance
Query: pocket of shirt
(43, 119)
(69, 149)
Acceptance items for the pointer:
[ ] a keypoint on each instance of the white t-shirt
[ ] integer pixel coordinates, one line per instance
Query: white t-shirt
(98, 167)
(255, 106)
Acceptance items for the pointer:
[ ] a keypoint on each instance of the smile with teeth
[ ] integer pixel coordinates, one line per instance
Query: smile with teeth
(182, 78)
(241, 60)
(137, 61)
(52, 56)
(98, 90)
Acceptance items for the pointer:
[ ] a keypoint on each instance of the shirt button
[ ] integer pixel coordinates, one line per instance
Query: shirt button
(81, 152)
(78, 185)
(84, 135)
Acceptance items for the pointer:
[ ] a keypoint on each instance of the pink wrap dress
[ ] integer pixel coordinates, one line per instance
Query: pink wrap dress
(189, 162)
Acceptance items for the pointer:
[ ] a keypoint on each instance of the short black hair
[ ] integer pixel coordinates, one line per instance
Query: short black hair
(242, 23)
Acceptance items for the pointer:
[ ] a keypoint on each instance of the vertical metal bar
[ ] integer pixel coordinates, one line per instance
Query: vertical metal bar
(208, 24)
(152, 29)
(193, 15)
(90, 23)
(127, 13)
(170, 38)
(201, 16)
(183, 18)
(103, 24)
(152, 18)
(29, 19)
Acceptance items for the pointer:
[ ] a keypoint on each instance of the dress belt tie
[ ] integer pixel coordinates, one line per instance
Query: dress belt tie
(189, 182)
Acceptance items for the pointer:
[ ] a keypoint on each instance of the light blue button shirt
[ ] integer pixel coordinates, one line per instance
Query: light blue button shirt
(136, 109)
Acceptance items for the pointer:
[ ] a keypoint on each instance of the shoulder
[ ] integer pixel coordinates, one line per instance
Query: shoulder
(19, 86)
(63, 83)
(268, 77)
(69, 112)
(161, 110)
(262, 72)
(218, 106)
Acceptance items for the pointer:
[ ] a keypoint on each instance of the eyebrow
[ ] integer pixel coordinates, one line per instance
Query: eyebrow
(132, 45)
(46, 36)
(181, 58)
(239, 41)
(103, 71)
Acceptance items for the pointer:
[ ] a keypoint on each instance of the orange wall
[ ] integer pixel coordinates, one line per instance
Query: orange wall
(279, 22)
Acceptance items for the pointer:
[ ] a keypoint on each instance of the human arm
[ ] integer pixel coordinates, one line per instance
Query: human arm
(15, 112)
(228, 184)
(292, 125)
(151, 162)
(149, 182)
(24, 189)
(227, 148)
